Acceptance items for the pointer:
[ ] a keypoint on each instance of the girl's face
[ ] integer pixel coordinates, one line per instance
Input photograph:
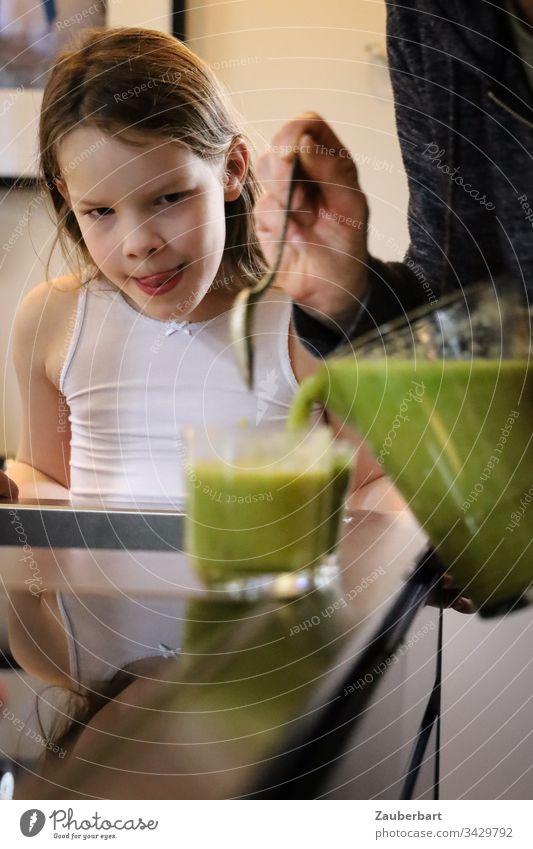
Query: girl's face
(152, 217)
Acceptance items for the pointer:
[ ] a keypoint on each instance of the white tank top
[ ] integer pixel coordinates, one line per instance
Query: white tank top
(132, 383)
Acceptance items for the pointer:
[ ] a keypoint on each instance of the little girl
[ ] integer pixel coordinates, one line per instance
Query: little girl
(152, 187)
(151, 182)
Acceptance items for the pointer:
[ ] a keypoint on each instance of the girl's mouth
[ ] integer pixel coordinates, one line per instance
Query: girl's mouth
(158, 284)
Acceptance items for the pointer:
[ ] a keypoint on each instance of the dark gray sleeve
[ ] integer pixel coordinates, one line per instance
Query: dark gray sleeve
(392, 291)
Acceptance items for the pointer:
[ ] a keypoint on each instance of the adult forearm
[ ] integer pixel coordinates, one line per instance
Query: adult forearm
(394, 289)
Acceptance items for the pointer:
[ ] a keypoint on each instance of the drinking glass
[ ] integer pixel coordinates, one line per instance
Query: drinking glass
(263, 507)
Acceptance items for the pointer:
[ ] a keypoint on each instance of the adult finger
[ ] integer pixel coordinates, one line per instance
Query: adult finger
(323, 156)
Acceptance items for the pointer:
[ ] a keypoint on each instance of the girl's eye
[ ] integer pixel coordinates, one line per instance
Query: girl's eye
(105, 211)
(101, 212)
(174, 197)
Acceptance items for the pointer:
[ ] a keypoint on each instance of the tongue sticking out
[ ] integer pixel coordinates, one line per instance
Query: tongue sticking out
(157, 282)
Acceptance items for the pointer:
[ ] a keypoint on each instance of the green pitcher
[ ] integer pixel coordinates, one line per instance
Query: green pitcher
(445, 400)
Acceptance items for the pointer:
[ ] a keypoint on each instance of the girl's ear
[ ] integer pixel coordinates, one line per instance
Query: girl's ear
(62, 189)
(235, 169)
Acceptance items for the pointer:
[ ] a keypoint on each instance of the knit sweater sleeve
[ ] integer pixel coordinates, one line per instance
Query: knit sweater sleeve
(392, 291)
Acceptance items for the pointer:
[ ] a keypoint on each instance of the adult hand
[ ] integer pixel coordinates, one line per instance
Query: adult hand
(324, 264)
(8, 488)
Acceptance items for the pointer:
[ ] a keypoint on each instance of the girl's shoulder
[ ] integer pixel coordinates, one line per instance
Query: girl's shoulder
(303, 363)
(52, 297)
(43, 320)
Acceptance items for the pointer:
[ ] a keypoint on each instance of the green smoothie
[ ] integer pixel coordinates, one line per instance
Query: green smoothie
(456, 436)
(248, 520)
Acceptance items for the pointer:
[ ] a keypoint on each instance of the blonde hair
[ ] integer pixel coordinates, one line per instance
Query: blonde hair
(138, 82)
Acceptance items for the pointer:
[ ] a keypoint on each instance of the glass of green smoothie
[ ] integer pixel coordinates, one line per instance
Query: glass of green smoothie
(445, 399)
(263, 509)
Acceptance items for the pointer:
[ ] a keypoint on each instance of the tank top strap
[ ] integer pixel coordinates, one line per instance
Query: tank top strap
(74, 335)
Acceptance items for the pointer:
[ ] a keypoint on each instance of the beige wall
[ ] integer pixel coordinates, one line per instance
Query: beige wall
(280, 58)
(27, 231)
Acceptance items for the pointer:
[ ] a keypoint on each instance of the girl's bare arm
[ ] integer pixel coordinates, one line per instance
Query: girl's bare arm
(41, 469)
(40, 332)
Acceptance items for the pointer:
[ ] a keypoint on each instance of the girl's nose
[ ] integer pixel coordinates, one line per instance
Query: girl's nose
(141, 240)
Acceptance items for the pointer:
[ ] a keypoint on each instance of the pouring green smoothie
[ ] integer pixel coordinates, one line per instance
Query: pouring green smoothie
(456, 437)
